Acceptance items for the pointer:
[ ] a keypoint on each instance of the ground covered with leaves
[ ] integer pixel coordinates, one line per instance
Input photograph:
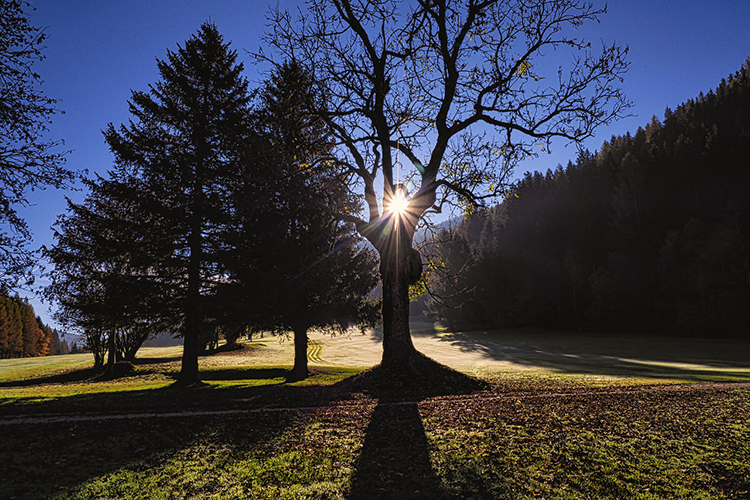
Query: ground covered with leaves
(247, 434)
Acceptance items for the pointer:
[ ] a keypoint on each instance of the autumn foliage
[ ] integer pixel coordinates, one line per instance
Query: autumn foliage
(22, 334)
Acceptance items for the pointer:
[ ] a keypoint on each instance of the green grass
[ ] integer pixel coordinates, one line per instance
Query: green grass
(546, 432)
(30, 368)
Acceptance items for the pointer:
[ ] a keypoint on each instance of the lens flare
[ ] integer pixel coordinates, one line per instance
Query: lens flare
(399, 203)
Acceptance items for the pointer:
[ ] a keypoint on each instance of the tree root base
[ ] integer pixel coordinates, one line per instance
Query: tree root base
(417, 377)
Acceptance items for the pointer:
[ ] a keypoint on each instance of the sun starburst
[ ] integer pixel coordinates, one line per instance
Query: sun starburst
(399, 203)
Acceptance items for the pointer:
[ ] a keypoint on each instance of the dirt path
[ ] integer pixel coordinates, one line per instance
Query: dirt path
(368, 403)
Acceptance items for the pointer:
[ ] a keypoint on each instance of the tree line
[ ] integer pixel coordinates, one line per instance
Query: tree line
(650, 232)
(22, 332)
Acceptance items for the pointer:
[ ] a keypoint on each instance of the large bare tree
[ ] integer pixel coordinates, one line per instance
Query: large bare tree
(433, 102)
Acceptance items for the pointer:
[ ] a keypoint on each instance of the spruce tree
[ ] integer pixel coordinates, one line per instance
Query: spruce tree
(301, 266)
(185, 147)
(104, 279)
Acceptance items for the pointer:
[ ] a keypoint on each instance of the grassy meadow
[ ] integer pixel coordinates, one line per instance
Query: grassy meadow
(545, 415)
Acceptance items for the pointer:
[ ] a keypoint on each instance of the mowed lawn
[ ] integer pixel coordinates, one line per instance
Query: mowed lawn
(558, 415)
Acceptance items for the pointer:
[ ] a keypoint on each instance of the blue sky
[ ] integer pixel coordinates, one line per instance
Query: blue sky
(98, 51)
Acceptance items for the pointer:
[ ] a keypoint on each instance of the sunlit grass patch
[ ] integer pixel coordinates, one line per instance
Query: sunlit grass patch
(30, 368)
(266, 456)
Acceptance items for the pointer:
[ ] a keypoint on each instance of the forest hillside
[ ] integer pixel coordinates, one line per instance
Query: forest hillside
(650, 232)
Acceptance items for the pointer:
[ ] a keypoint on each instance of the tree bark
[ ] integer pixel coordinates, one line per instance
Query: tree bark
(111, 349)
(300, 370)
(399, 268)
(189, 370)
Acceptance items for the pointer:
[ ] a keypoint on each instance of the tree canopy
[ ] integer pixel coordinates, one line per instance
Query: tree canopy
(441, 100)
(309, 268)
(183, 149)
(217, 217)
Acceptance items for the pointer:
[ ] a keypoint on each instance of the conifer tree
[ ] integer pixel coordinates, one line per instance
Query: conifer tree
(103, 279)
(185, 147)
(33, 337)
(4, 327)
(305, 268)
(13, 325)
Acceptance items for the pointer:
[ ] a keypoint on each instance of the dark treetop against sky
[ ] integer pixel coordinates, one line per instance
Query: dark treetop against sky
(98, 51)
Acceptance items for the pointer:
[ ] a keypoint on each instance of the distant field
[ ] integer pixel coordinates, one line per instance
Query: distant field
(476, 352)
(563, 416)
(534, 350)
(22, 368)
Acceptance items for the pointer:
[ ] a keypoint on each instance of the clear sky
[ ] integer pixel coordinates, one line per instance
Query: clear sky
(100, 50)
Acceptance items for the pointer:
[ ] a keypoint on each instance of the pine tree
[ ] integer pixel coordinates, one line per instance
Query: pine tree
(32, 335)
(104, 279)
(4, 326)
(185, 146)
(14, 325)
(305, 268)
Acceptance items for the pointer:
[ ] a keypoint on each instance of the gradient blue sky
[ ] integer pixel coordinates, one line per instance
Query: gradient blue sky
(100, 50)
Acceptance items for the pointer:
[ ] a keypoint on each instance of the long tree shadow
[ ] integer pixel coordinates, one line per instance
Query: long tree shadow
(395, 459)
(394, 462)
(100, 437)
(614, 355)
(70, 376)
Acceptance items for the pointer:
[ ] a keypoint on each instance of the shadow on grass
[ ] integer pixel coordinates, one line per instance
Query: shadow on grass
(612, 354)
(74, 375)
(40, 459)
(395, 459)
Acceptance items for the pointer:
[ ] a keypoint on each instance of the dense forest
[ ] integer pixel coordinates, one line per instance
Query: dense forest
(22, 333)
(650, 232)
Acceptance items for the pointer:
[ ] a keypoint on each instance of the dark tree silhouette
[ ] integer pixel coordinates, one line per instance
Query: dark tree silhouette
(651, 232)
(104, 279)
(415, 86)
(27, 160)
(299, 265)
(185, 147)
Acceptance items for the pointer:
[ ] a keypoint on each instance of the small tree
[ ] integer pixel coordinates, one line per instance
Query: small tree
(27, 159)
(103, 279)
(438, 100)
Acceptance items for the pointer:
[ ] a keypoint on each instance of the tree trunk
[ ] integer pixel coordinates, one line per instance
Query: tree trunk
(111, 350)
(400, 267)
(300, 370)
(189, 369)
